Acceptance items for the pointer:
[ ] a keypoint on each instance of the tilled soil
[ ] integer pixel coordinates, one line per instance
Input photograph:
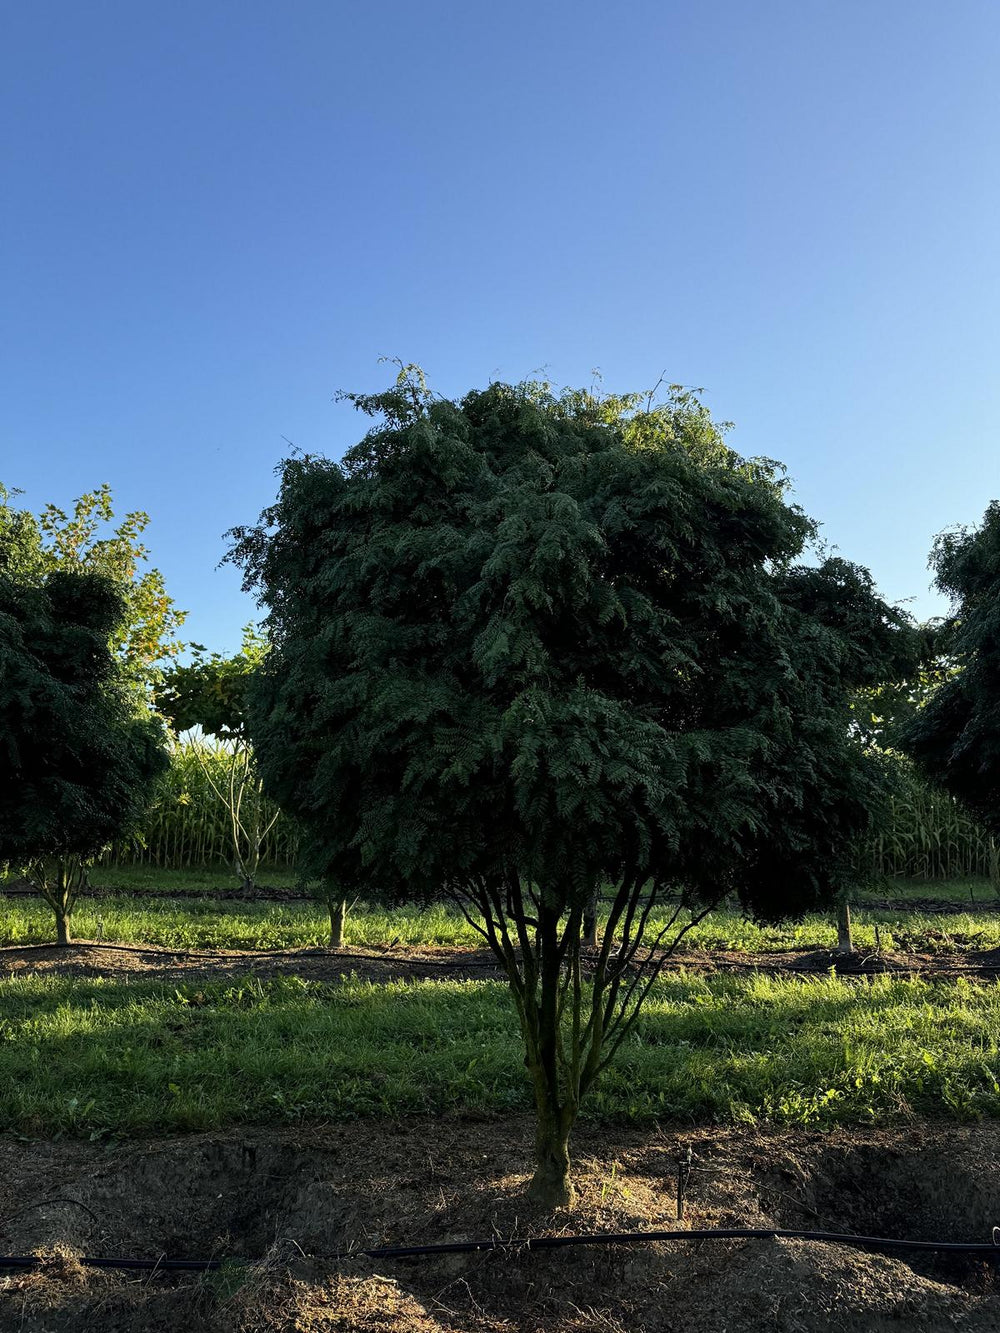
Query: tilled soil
(89, 958)
(296, 1202)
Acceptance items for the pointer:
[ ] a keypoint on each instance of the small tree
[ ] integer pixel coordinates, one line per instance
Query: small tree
(208, 695)
(954, 738)
(528, 648)
(77, 762)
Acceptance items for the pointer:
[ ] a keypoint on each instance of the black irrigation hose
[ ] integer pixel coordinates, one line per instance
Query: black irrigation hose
(989, 1250)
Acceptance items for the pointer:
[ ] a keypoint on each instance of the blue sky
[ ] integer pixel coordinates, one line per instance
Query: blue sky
(218, 213)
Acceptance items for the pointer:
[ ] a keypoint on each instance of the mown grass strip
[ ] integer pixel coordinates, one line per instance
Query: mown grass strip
(91, 1057)
(211, 923)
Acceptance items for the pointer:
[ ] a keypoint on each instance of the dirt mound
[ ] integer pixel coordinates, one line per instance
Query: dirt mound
(292, 1203)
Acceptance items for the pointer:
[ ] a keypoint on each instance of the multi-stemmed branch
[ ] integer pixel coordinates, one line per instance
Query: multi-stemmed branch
(576, 1003)
(60, 881)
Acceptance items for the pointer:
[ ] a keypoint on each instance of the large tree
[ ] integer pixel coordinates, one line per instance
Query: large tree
(78, 762)
(529, 650)
(955, 736)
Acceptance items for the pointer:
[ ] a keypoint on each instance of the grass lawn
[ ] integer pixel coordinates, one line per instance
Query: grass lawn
(202, 923)
(91, 1057)
(971, 893)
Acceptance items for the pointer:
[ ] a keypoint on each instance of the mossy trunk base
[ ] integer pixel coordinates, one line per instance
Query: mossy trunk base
(551, 1186)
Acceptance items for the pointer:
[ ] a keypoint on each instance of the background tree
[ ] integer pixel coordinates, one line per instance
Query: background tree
(87, 539)
(207, 696)
(529, 646)
(78, 764)
(955, 737)
(881, 714)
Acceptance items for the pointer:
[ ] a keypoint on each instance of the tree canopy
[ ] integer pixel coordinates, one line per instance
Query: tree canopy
(526, 645)
(509, 627)
(955, 737)
(210, 690)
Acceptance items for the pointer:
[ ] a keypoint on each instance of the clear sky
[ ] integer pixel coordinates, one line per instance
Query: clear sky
(218, 212)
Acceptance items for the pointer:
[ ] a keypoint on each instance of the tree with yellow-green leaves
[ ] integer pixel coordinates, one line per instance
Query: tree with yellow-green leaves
(88, 539)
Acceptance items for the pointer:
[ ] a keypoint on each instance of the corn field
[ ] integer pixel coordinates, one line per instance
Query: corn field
(927, 837)
(190, 827)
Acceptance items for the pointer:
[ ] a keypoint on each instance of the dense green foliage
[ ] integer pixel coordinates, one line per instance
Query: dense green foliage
(209, 691)
(526, 645)
(880, 713)
(955, 737)
(924, 834)
(77, 763)
(545, 635)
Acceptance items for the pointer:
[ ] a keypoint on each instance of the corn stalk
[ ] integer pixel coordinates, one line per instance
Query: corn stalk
(191, 825)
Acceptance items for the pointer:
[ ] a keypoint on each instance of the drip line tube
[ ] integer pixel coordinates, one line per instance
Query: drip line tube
(987, 1250)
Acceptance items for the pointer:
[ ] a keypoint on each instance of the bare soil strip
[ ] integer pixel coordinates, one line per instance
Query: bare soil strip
(91, 958)
(291, 1200)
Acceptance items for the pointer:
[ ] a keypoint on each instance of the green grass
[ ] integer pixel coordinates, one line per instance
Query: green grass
(93, 1057)
(970, 893)
(902, 930)
(212, 923)
(208, 923)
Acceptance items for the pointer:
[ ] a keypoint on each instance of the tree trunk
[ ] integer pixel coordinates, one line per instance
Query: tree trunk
(556, 1108)
(338, 915)
(64, 935)
(590, 929)
(551, 1186)
(590, 921)
(845, 937)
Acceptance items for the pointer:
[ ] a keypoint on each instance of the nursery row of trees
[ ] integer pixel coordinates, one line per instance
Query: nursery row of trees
(522, 649)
